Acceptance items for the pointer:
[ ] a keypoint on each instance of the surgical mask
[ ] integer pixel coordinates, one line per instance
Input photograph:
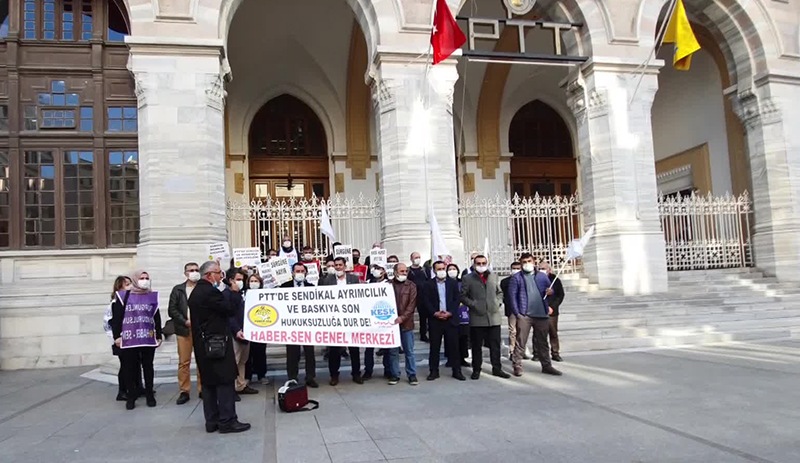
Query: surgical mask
(308, 256)
(330, 270)
(401, 278)
(240, 284)
(481, 269)
(515, 271)
(415, 261)
(377, 273)
(452, 273)
(194, 276)
(528, 267)
(441, 274)
(287, 244)
(340, 273)
(299, 277)
(255, 285)
(144, 284)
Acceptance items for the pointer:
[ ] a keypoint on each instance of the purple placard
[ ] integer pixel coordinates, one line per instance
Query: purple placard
(463, 315)
(138, 326)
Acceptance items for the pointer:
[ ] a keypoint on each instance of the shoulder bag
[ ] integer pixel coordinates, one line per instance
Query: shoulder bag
(293, 397)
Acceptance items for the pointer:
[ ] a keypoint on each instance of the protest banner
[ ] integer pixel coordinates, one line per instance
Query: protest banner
(345, 251)
(312, 273)
(378, 257)
(390, 269)
(354, 315)
(246, 256)
(219, 251)
(280, 269)
(138, 326)
(265, 272)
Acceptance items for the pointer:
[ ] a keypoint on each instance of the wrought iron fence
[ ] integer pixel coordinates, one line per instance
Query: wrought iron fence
(543, 226)
(264, 222)
(706, 232)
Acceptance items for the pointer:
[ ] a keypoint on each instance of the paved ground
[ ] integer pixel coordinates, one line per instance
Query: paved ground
(733, 403)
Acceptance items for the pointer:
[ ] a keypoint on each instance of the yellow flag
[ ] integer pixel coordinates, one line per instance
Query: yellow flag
(679, 32)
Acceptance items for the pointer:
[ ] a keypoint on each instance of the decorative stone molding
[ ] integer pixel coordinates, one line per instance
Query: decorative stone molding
(576, 98)
(598, 103)
(215, 93)
(383, 96)
(753, 109)
(174, 10)
(140, 90)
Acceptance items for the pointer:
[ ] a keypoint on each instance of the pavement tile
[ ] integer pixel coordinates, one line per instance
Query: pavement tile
(334, 435)
(351, 452)
(402, 447)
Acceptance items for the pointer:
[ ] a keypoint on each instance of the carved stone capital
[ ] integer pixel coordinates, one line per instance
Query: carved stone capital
(384, 97)
(141, 86)
(754, 109)
(215, 92)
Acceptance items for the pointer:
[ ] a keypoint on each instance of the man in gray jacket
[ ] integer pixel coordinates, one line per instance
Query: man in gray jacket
(178, 311)
(480, 292)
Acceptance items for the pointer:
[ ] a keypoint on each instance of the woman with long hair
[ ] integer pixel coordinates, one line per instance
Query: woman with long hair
(121, 283)
(136, 326)
(257, 363)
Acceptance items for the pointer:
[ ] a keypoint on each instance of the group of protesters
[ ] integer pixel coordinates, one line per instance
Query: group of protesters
(461, 309)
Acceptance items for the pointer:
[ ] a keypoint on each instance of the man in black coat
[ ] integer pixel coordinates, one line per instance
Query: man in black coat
(210, 315)
(441, 298)
(555, 302)
(341, 277)
(419, 275)
(293, 350)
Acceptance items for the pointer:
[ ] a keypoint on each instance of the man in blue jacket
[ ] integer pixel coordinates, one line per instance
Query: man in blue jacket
(527, 291)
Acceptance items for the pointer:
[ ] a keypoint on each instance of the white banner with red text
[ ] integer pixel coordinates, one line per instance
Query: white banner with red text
(360, 315)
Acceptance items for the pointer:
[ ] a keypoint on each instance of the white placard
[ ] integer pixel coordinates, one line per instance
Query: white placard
(219, 251)
(378, 257)
(345, 251)
(265, 272)
(280, 269)
(312, 273)
(390, 269)
(246, 256)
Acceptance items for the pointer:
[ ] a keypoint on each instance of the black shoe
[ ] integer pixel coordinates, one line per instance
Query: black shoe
(412, 380)
(501, 374)
(448, 365)
(557, 358)
(122, 397)
(549, 370)
(464, 363)
(238, 398)
(248, 391)
(476, 375)
(433, 375)
(130, 404)
(334, 380)
(535, 358)
(151, 401)
(212, 427)
(200, 395)
(236, 426)
(367, 376)
(424, 339)
(393, 381)
(310, 382)
(183, 398)
(380, 352)
(358, 379)
(459, 376)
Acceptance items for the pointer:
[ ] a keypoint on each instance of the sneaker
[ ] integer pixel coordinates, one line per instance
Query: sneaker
(413, 381)
(393, 381)
(183, 398)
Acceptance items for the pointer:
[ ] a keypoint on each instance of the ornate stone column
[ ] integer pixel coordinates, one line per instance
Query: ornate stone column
(413, 113)
(618, 179)
(181, 155)
(771, 120)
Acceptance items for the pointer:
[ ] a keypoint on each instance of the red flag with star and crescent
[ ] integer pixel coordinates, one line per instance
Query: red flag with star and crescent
(446, 37)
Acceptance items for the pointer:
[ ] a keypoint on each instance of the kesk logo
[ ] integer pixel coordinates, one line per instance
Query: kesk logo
(382, 311)
(263, 315)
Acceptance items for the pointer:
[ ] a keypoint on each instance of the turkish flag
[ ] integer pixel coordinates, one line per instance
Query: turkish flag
(446, 36)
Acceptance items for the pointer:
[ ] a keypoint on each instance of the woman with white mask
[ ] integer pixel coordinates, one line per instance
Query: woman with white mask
(257, 362)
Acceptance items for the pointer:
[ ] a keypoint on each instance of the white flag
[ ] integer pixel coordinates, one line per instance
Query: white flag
(576, 247)
(439, 248)
(325, 224)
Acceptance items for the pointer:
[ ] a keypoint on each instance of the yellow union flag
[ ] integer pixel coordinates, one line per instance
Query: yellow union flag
(679, 32)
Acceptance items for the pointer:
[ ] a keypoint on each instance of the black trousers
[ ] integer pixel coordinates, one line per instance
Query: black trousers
(258, 360)
(293, 361)
(132, 360)
(463, 341)
(443, 329)
(121, 377)
(219, 404)
(335, 360)
(478, 335)
(424, 321)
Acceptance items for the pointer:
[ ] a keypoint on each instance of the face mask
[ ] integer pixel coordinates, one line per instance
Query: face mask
(144, 284)
(452, 273)
(528, 267)
(377, 273)
(255, 285)
(356, 259)
(299, 277)
(194, 276)
(481, 269)
(441, 274)
(401, 278)
(308, 256)
(340, 273)
(240, 284)
(330, 270)
(287, 244)
(515, 271)
(415, 261)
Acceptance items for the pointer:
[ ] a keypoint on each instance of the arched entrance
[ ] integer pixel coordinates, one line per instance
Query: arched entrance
(543, 161)
(288, 152)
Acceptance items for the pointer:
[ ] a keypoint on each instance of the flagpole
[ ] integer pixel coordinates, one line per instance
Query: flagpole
(659, 42)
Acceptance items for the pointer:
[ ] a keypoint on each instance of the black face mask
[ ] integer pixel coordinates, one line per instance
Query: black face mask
(356, 259)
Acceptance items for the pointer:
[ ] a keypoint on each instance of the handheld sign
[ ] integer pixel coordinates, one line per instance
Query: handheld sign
(312, 273)
(390, 269)
(344, 251)
(378, 257)
(265, 272)
(221, 251)
(246, 256)
(138, 325)
(279, 267)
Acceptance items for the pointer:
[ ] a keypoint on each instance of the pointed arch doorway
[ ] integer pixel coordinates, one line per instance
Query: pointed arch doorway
(288, 151)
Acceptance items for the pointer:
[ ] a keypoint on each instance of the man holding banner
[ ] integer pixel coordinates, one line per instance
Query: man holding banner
(293, 350)
(340, 278)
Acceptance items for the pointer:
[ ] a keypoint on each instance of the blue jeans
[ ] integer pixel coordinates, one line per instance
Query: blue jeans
(407, 341)
(391, 362)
